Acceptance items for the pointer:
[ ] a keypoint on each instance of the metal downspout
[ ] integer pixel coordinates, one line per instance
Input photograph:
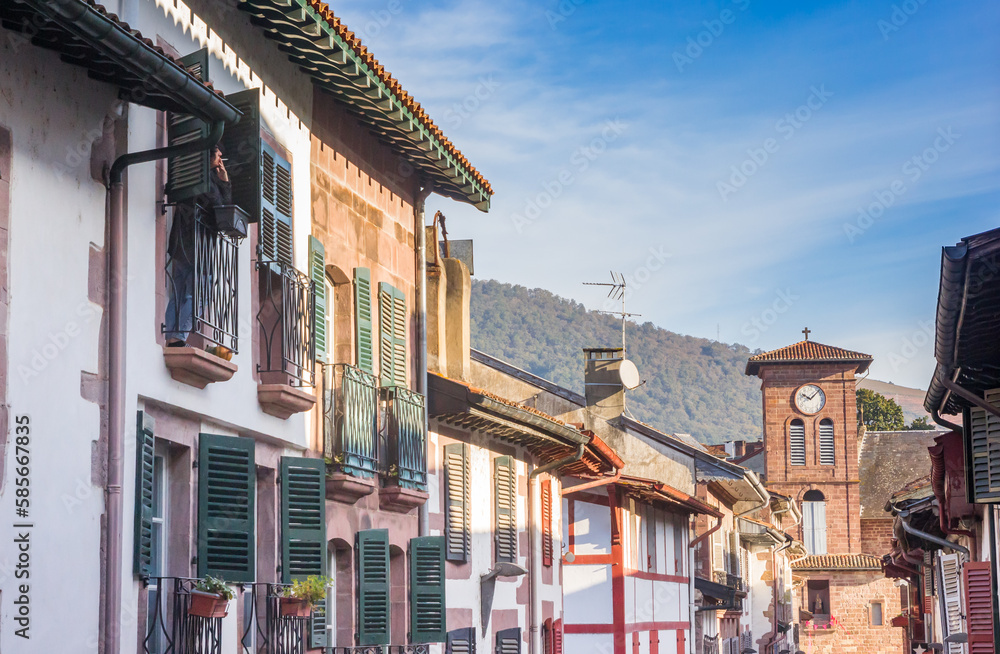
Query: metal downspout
(904, 515)
(420, 235)
(117, 287)
(535, 545)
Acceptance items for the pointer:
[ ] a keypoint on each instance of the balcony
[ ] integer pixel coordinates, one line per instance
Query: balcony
(405, 446)
(265, 630)
(287, 322)
(350, 431)
(383, 649)
(734, 582)
(203, 302)
(710, 644)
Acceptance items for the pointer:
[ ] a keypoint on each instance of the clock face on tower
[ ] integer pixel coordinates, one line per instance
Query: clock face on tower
(810, 399)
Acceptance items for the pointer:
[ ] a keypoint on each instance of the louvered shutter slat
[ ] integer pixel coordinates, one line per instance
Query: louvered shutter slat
(461, 641)
(557, 637)
(363, 319)
(797, 443)
(827, 450)
(509, 641)
(981, 606)
(505, 490)
(317, 273)
(386, 326)
(188, 174)
(985, 452)
(372, 547)
(428, 618)
(144, 448)
(458, 510)
(547, 544)
(399, 320)
(226, 495)
(951, 597)
(819, 527)
(303, 519)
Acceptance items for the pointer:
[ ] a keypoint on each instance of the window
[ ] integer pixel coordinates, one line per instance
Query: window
(458, 514)
(875, 614)
(547, 543)
(797, 443)
(984, 451)
(462, 641)
(323, 298)
(505, 495)
(372, 547)
(814, 522)
(509, 641)
(159, 546)
(427, 590)
(826, 443)
(364, 350)
(303, 531)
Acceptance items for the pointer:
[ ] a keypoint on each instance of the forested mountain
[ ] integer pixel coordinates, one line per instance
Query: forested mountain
(693, 385)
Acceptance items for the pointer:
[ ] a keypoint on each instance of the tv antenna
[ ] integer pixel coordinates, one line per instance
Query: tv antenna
(617, 290)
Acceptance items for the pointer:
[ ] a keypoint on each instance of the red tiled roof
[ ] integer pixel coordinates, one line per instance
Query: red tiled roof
(393, 85)
(804, 351)
(839, 562)
(650, 490)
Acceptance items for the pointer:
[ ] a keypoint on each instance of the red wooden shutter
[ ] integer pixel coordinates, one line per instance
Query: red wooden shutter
(557, 633)
(980, 607)
(547, 522)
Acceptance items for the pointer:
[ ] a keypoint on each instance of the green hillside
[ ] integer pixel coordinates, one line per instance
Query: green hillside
(693, 385)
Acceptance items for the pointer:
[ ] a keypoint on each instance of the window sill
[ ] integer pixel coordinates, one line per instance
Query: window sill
(195, 367)
(342, 487)
(283, 401)
(400, 500)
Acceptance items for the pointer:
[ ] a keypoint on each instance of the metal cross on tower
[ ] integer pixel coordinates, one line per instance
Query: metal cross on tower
(617, 291)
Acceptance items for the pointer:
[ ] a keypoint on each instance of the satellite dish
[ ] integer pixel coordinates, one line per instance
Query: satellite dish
(629, 375)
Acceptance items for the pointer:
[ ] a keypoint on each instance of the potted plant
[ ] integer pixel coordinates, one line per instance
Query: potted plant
(900, 620)
(298, 599)
(210, 598)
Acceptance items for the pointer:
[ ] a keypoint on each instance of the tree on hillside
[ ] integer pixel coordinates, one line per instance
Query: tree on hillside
(920, 424)
(878, 412)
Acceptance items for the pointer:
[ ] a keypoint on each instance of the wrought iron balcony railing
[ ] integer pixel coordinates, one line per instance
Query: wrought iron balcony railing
(406, 437)
(202, 282)
(265, 630)
(727, 579)
(710, 645)
(169, 628)
(287, 321)
(350, 419)
(382, 649)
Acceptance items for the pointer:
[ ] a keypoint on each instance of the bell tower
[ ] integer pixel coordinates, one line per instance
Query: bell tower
(811, 437)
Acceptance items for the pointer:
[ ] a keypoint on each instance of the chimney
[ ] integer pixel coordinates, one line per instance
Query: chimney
(437, 283)
(604, 389)
(739, 449)
(458, 332)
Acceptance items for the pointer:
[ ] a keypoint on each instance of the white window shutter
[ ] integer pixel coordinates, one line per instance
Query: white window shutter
(819, 527)
(807, 527)
(950, 595)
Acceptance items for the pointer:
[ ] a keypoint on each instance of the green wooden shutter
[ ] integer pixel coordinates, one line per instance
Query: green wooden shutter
(461, 641)
(428, 618)
(276, 206)
(505, 493)
(399, 320)
(458, 514)
(303, 530)
(509, 641)
(187, 175)
(984, 452)
(372, 547)
(317, 272)
(226, 494)
(142, 557)
(241, 145)
(363, 319)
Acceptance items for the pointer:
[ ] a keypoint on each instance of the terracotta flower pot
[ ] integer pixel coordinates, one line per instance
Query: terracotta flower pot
(208, 605)
(900, 621)
(295, 607)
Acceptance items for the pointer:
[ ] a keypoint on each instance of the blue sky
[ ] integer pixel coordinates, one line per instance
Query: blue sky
(752, 167)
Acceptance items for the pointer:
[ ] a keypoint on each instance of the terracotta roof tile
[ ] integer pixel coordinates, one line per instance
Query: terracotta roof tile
(807, 351)
(365, 55)
(839, 562)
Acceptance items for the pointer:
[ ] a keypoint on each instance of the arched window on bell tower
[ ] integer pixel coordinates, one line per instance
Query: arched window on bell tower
(814, 522)
(797, 443)
(827, 455)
